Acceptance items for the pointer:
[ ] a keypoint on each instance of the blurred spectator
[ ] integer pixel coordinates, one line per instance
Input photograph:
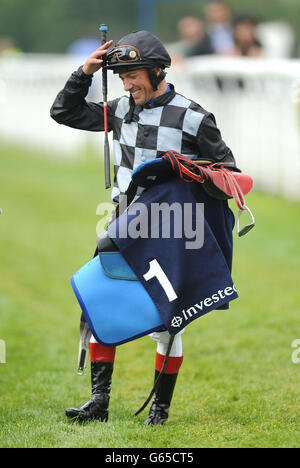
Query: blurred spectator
(8, 47)
(84, 46)
(195, 41)
(246, 42)
(79, 50)
(219, 27)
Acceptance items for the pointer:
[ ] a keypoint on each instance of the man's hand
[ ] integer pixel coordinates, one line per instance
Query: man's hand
(94, 62)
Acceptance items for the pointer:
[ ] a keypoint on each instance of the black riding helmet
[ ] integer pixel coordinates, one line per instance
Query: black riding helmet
(140, 49)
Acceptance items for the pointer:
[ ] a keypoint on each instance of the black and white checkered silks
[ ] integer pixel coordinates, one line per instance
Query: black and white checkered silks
(178, 125)
(174, 123)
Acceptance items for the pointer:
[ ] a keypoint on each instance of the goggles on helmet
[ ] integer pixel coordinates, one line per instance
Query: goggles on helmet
(123, 54)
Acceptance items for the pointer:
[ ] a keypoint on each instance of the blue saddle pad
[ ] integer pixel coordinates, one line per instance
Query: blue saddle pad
(115, 266)
(115, 304)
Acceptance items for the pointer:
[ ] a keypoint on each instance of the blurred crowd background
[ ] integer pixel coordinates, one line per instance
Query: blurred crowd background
(197, 27)
(240, 59)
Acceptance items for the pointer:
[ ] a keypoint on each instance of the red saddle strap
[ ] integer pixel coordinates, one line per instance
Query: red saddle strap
(234, 187)
(233, 184)
(216, 173)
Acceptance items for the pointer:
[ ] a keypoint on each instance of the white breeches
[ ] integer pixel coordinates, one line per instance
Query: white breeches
(162, 339)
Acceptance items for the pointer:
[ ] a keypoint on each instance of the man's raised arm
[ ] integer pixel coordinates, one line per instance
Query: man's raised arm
(70, 107)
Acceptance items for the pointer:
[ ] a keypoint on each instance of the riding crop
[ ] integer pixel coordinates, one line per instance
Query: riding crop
(103, 31)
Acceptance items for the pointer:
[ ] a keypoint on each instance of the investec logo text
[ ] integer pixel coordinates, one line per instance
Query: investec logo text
(202, 305)
(159, 221)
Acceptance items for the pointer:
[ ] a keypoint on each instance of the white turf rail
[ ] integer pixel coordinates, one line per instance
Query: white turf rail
(256, 103)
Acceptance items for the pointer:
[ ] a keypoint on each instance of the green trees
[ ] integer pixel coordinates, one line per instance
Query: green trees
(51, 25)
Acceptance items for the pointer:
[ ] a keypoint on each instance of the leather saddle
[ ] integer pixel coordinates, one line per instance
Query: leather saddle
(112, 261)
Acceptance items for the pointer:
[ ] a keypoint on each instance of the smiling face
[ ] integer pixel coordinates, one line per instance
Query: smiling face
(137, 83)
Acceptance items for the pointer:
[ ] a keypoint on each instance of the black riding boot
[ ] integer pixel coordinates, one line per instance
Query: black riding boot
(97, 407)
(159, 409)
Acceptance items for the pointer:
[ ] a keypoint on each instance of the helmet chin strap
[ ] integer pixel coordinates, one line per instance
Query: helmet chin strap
(154, 78)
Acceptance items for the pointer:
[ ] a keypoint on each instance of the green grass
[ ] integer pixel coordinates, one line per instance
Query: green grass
(237, 387)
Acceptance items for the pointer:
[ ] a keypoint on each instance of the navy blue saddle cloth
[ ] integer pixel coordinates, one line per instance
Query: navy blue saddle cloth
(121, 301)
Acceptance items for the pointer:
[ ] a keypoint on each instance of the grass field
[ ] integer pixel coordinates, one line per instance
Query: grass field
(238, 386)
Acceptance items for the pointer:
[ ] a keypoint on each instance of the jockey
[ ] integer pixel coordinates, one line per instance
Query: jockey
(152, 120)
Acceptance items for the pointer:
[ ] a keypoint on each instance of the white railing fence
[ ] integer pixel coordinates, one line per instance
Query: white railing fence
(255, 102)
